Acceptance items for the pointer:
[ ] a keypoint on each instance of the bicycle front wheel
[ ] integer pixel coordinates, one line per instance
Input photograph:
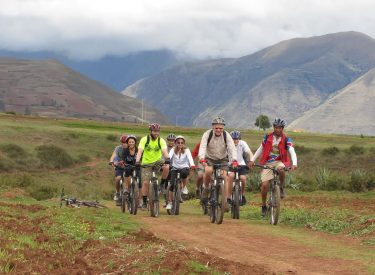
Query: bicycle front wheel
(154, 199)
(134, 197)
(220, 202)
(176, 200)
(275, 205)
(235, 209)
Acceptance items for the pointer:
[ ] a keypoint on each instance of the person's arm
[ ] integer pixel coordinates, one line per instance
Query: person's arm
(257, 154)
(292, 153)
(248, 152)
(139, 154)
(190, 157)
(203, 146)
(141, 147)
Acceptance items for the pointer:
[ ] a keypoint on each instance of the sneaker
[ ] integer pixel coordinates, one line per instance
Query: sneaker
(243, 201)
(264, 210)
(116, 197)
(185, 191)
(228, 205)
(169, 206)
(144, 206)
(282, 192)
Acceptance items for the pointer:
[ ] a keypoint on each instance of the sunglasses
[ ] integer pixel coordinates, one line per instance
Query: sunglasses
(180, 142)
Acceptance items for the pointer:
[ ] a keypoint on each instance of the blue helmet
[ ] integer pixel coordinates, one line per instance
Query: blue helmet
(235, 134)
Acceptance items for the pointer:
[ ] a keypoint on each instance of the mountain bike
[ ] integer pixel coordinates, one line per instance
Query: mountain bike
(217, 200)
(153, 190)
(236, 195)
(73, 202)
(273, 209)
(176, 197)
(131, 199)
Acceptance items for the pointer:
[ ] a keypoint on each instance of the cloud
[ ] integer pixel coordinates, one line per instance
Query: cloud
(90, 29)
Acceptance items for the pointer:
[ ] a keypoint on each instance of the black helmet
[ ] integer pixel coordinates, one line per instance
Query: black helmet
(279, 122)
(131, 136)
(235, 134)
(171, 136)
(218, 120)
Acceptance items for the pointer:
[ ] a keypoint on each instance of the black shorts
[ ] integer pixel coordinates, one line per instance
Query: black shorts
(242, 170)
(118, 172)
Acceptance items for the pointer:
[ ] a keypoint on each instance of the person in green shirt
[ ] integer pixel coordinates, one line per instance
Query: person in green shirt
(152, 148)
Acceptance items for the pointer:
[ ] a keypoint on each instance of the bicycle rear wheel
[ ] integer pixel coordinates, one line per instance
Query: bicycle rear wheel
(220, 203)
(235, 209)
(275, 205)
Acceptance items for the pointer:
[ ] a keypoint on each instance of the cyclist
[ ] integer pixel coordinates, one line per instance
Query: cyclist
(217, 147)
(129, 155)
(152, 148)
(200, 170)
(181, 161)
(117, 154)
(244, 155)
(274, 152)
(170, 141)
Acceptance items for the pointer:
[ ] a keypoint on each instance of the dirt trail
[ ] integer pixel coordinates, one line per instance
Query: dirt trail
(277, 254)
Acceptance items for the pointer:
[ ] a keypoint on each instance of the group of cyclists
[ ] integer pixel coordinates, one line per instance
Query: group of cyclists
(217, 146)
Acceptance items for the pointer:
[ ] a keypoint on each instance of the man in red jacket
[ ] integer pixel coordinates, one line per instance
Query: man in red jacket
(274, 152)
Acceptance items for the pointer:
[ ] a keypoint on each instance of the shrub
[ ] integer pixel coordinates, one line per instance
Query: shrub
(43, 192)
(54, 156)
(83, 158)
(111, 137)
(253, 183)
(330, 151)
(358, 181)
(13, 150)
(306, 184)
(300, 149)
(356, 150)
(322, 177)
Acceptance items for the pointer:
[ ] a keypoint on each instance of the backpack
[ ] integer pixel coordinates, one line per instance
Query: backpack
(148, 141)
(212, 133)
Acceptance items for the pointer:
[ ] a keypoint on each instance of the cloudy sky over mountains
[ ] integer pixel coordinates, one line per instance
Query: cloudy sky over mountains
(89, 29)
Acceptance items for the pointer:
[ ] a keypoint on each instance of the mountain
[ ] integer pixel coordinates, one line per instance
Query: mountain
(350, 111)
(116, 72)
(49, 88)
(284, 80)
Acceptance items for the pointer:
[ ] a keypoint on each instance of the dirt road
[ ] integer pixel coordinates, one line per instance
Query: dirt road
(253, 244)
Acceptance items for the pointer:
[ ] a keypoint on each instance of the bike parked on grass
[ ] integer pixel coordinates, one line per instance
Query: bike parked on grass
(273, 203)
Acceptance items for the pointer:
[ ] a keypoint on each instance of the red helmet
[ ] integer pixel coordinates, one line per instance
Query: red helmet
(123, 138)
(154, 127)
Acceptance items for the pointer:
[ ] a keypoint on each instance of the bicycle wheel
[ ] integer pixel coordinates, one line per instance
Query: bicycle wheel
(122, 199)
(235, 209)
(203, 201)
(275, 205)
(220, 203)
(154, 199)
(134, 197)
(177, 197)
(212, 204)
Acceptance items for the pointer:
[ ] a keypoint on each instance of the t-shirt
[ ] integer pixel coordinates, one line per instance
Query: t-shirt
(152, 153)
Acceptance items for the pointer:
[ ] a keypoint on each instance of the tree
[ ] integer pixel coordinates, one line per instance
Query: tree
(263, 122)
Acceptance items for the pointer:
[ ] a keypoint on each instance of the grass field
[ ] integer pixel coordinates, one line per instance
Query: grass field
(40, 156)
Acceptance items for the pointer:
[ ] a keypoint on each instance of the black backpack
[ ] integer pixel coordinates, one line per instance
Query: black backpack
(148, 141)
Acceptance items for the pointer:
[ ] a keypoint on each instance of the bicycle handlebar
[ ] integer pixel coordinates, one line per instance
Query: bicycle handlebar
(272, 168)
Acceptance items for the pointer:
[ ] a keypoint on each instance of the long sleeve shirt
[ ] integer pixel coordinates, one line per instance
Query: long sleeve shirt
(180, 161)
(217, 149)
(243, 148)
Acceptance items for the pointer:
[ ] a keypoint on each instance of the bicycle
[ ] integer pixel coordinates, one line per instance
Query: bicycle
(217, 201)
(236, 195)
(73, 202)
(153, 190)
(176, 194)
(273, 209)
(131, 199)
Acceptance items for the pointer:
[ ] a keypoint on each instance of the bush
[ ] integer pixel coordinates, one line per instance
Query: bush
(356, 150)
(13, 150)
(54, 156)
(329, 181)
(83, 158)
(358, 181)
(330, 151)
(253, 182)
(43, 192)
(111, 137)
(302, 149)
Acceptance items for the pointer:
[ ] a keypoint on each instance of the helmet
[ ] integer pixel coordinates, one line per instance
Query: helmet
(279, 122)
(154, 127)
(235, 134)
(179, 137)
(171, 136)
(218, 120)
(131, 136)
(123, 138)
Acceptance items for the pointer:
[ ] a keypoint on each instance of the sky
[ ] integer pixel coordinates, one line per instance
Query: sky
(90, 29)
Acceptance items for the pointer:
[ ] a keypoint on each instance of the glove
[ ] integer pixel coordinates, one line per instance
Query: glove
(167, 161)
(121, 163)
(234, 164)
(192, 167)
(137, 164)
(202, 161)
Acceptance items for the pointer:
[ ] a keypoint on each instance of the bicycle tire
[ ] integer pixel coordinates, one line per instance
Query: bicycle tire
(275, 205)
(212, 202)
(235, 209)
(203, 201)
(176, 206)
(134, 197)
(122, 198)
(220, 203)
(153, 193)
